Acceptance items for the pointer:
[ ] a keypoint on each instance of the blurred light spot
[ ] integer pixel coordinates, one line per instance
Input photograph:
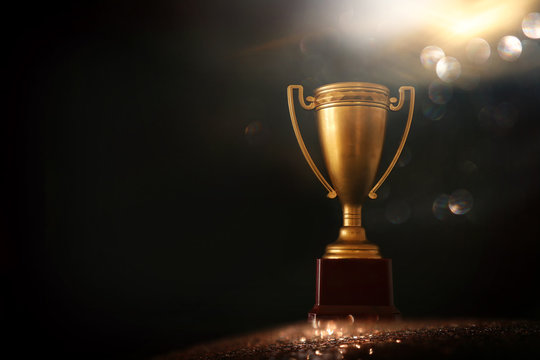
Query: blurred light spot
(468, 167)
(478, 50)
(448, 69)
(440, 207)
(509, 48)
(253, 131)
(398, 212)
(253, 128)
(439, 92)
(505, 115)
(331, 326)
(485, 116)
(405, 157)
(531, 25)
(384, 192)
(433, 111)
(430, 55)
(460, 202)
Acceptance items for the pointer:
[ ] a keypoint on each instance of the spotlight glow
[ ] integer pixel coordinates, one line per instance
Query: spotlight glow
(452, 20)
(391, 35)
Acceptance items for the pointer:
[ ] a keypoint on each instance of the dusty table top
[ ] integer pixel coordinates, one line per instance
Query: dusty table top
(427, 339)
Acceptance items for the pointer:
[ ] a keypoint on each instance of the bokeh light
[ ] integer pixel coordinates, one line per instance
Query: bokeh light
(531, 25)
(460, 202)
(505, 115)
(509, 48)
(398, 212)
(468, 167)
(448, 69)
(440, 207)
(478, 50)
(433, 111)
(485, 116)
(405, 157)
(384, 192)
(253, 131)
(440, 92)
(430, 55)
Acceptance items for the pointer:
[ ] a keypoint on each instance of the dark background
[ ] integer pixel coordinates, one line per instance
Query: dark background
(154, 195)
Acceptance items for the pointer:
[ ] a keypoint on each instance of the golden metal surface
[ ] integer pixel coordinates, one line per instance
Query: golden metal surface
(351, 120)
(372, 194)
(331, 193)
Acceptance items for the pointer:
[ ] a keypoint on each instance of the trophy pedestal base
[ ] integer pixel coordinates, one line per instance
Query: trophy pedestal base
(361, 288)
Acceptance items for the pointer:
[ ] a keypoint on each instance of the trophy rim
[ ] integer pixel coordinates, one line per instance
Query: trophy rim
(352, 85)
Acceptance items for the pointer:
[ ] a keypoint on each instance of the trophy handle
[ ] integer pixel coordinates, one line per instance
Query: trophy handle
(331, 192)
(372, 194)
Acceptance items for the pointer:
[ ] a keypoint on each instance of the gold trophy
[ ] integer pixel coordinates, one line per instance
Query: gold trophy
(352, 278)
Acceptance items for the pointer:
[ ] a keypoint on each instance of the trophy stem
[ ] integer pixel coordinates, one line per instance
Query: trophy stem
(352, 215)
(352, 242)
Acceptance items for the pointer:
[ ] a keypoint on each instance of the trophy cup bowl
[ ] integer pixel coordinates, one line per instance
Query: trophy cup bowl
(352, 278)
